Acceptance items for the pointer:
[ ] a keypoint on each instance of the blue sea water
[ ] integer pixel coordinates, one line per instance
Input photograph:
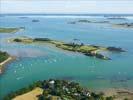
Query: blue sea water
(42, 61)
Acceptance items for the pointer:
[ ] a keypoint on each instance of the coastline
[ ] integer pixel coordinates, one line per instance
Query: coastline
(3, 64)
(90, 66)
(117, 93)
(114, 93)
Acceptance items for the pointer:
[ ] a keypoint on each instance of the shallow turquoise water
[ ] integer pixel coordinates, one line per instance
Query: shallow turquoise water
(39, 62)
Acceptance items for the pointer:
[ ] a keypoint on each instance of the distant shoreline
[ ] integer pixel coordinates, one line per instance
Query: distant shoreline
(26, 15)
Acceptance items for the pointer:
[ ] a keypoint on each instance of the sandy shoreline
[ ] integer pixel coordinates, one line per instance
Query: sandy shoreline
(3, 64)
(118, 93)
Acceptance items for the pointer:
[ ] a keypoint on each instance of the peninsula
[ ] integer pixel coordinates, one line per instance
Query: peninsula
(4, 59)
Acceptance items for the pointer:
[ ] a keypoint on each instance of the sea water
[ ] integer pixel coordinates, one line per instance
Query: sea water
(42, 61)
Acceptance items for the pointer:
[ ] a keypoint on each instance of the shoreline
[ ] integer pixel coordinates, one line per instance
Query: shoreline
(117, 93)
(108, 92)
(5, 62)
(114, 93)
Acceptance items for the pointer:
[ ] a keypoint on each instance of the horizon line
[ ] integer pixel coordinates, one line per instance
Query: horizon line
(70, 13)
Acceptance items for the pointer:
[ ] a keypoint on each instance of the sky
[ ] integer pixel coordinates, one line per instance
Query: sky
(67, 6)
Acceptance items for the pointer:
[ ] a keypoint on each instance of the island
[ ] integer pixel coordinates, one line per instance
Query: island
(74, 22)
(35, 20)
(10, 30)
(23, 17)
(88, 50)
(124, 25)
(55, 90)
(4, 59)
(116, 18)
(88, 21)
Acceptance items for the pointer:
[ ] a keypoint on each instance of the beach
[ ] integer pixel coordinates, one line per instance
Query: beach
(119, 94)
